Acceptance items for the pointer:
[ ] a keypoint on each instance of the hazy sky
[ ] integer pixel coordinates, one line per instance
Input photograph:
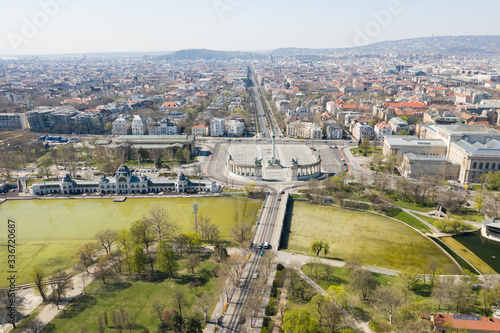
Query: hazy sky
(85, 26)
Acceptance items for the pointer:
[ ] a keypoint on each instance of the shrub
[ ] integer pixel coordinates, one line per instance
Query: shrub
(380, 326)
(267, 323)
(280, 267)
(271, 307)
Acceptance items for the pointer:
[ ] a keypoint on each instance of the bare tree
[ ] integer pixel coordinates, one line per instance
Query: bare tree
(158, 308)
(85, 254)
(444, 291)
(179, 300)
(389, 300)
(242, 233)
(107, 238)
(204, 302)
(59, 284)
(161, 223)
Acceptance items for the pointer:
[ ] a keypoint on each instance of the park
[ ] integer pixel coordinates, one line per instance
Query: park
(50, 231)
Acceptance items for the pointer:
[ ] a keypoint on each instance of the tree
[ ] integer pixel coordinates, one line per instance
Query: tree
(489, 293)
(193, 241)
(100, 325)
(59, 284)
(186, 154)
(142, 234)
(444, 290)
(158, 308)
(38, 278)
(179, 300)
(103, 269)
(389, 300)
(193, 262)
(433, 268)
(85, 254)
(167, 261)
(409, 278)
(363, 281)
(317, 246)
(139, 260)
(451, 226)
(241, 233)
(106, 238)
(45, 162)
(204, 302)
(300, 321)
(161, 223)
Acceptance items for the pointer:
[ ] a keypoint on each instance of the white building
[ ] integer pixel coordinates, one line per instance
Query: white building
(236, 127)
(217, 127)
(382, 130)
(334, 131)
(491, 229)
(119, 126)
(200, 130)
(12, 121)
(164, 127)
(305, 130)
(124, 182)
(137, 125)
(398, 125)
(475, 147)
(362, 131)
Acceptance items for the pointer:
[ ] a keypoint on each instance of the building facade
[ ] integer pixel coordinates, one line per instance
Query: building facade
(12, 121)
(217, 127)
(119, 126)
(125, 182)
(362, 131)
(137, 125)
(305, 130)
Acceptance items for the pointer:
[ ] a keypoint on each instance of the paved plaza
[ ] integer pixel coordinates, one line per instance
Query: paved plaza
(245, 154)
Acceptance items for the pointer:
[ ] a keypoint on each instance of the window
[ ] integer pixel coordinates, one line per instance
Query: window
(487, 165)
(481, 165)
(474, 165)
(493, 166)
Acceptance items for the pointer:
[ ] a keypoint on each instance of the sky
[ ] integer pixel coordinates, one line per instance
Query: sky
(32, 27)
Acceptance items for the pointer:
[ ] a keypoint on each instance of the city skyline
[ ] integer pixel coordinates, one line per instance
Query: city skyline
(73, 27)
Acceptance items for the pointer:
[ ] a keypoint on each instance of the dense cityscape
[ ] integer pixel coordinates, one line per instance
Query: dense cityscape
(351, 189)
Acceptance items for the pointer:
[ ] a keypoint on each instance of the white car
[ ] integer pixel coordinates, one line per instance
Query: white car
(256, 275)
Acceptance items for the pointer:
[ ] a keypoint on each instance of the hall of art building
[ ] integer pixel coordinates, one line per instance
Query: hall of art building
(124, 182)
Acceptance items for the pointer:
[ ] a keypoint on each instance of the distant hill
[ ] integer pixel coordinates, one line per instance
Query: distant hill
(454, 45)
(204, 54)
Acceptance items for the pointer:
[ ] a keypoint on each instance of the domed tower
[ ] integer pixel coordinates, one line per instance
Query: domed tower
(123, 174)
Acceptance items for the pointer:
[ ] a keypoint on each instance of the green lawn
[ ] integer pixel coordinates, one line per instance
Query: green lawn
(49, 232)
(369, 152)
(410, 220)
(136, 297)
(379, 241)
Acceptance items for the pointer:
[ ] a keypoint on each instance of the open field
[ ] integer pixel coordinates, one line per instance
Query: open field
(379, 241)
(49, 232)
(137, 297)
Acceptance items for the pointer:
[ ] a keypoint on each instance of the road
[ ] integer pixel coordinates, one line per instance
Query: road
(264, 231)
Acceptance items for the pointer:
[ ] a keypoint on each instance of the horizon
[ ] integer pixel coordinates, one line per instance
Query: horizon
(66, 27)
(166, 52)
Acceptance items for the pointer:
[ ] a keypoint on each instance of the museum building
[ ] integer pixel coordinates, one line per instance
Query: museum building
(124, 182)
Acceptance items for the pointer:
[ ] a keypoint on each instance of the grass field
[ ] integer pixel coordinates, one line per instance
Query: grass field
(136, 297)
(379, 241)
(49, 232)
(411, 221)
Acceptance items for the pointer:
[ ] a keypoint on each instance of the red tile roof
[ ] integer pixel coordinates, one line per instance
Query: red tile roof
(483, 324)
